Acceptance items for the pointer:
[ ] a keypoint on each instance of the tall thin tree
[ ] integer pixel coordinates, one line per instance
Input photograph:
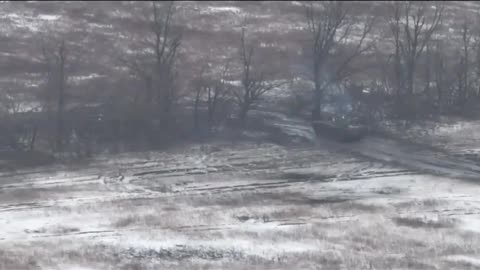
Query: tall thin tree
(329, 28)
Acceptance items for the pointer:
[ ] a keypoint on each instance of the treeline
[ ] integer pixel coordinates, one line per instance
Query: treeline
(398, 66)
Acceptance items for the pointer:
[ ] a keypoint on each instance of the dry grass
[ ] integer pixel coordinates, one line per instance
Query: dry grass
(364, 246)
(416, 222)
(124, 221)
(301, 225)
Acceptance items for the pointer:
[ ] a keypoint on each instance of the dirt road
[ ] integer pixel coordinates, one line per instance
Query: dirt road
(412, 156)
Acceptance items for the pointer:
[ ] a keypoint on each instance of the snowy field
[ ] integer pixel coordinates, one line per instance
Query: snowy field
(376, 204)
(371, 205)
(456, 136)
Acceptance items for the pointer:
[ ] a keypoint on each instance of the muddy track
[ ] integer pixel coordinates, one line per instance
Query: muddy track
(410, 156)
(387, 149)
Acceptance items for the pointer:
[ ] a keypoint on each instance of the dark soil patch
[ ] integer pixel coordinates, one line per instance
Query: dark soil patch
(414, 222)
(299, 176)
(183, 253)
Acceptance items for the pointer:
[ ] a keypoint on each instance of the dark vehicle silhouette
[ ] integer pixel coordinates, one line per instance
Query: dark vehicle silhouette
(343, 128)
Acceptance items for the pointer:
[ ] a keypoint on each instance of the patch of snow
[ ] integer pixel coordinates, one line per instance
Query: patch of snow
(121, 14)
(234, 83)
(24, 22)
(266, 45)
(77, 79)
(32, 85)
(75, 267)
(32, 23)
(28, 106)
(7, 54)
(264, 249)
(464, 259)
(48, 17)
(471, 224)
(97, 25)
(283, 26)
(235, 10)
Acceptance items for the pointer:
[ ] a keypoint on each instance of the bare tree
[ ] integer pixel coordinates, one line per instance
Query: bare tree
(158, 69)
(428, 71)
(165, 45)
(439, 72)
(199, 84)
(395, 25)
(215, 93)
(13, 129)
(254, 82)
(55, 61)
(330, 28)
(209, 88)
(412, 29)
(476, 66)
(142, 72)
(464, 85)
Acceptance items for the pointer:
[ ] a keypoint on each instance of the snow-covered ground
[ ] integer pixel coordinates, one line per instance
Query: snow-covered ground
(375, 204)
(245, 206)
(458, 137)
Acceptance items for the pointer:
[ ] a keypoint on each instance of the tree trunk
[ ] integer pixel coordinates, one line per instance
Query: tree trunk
(410, 100)
(211, 113)
(148, 90)
(428, 73)
(32, 140)
(195, 111)
(61, 99)
(242, 116)
(318, 95)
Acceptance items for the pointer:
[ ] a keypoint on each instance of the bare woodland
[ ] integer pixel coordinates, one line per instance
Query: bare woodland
(416, 76)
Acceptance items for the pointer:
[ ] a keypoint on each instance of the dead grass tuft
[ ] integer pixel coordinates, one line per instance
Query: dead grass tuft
(416, 222)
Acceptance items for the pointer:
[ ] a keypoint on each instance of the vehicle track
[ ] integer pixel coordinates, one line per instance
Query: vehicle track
(410, 156)
(398, 152)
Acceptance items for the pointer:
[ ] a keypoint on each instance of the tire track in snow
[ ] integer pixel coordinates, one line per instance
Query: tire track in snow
(409, 156)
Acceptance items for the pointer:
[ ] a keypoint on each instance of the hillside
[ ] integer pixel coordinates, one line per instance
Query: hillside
(99, 33)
